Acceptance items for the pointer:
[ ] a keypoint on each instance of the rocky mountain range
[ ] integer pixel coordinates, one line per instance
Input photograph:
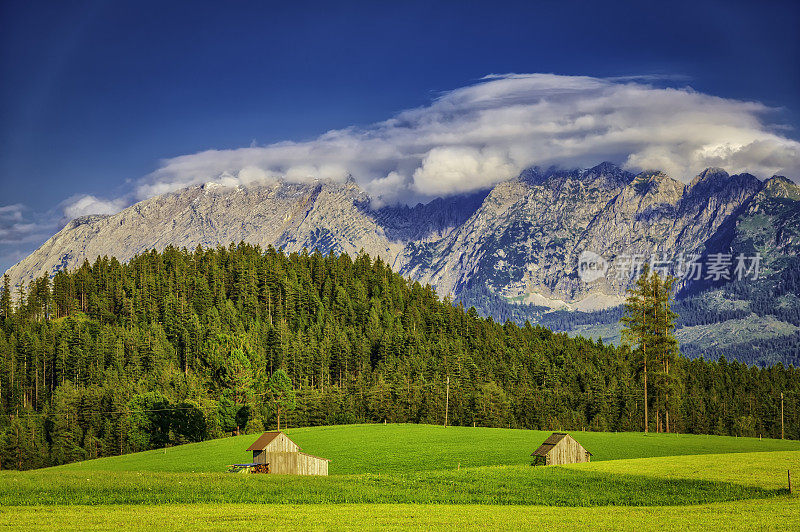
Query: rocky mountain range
(519, 243)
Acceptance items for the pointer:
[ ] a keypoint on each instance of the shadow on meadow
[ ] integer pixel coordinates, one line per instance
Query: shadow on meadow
(505, 485)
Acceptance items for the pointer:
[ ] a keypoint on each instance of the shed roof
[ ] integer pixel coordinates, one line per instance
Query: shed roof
(264, 440)
(551, 442)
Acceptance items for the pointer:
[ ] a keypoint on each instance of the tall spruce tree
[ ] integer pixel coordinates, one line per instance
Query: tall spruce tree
(649, 325)
(638, 328)
(281, 393)
(665, 346)
(5, 298)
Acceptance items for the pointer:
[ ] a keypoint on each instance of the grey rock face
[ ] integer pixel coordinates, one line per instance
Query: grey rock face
(291, 216)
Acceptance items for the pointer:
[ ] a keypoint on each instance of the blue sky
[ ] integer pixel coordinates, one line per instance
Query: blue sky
(96, 96)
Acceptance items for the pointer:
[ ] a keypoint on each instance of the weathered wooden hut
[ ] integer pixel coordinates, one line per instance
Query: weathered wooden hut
(282, 456)
(560, 448)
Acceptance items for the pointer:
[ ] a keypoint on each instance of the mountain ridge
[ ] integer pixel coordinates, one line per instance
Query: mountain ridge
(521, 237)
(512, 251)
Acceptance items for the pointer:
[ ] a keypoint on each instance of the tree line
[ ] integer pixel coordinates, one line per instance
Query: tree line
(185, 345)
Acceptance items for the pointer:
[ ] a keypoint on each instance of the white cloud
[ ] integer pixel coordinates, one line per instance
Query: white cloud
(87, 204)
(17, 225)
(455, 169)
(11, 213)
(477, 136)
(22, 230)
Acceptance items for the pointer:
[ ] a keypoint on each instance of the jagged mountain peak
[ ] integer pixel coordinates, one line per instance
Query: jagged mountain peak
(606, 167)
(779, 186)
(606, 174)
(87, 219)
(536, 175)
(652, 182)
(426, 221)
(780, 179)
(746, 180)
(717, 182)
(709, 175)
(650, 176)
(609, 174)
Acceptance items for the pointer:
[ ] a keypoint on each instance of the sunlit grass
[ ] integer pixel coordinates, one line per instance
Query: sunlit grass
(504, 485)
(421, 477)
(403, 448)
(771, 514)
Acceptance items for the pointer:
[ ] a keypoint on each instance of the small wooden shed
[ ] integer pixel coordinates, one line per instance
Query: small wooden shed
(560, 448)
(282, 456)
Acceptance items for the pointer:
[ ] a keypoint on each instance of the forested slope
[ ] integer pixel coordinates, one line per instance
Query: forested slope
(177, 346)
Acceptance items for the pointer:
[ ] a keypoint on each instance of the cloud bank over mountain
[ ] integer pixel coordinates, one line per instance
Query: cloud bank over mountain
(472, 138)
(476, 136)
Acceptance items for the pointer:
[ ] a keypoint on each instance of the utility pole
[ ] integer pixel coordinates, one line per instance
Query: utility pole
(447, 401)
(781, 415)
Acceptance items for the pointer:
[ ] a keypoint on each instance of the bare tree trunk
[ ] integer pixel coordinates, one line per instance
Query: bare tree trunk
(646, 421)
(447, 401)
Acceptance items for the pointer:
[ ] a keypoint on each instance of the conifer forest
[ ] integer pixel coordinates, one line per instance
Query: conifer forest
(181, 346)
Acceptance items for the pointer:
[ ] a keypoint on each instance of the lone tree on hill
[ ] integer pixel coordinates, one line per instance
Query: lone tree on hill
(649, 325)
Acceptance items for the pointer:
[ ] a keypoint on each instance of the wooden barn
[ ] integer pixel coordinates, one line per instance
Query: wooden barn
(282, 456)
(560, 448)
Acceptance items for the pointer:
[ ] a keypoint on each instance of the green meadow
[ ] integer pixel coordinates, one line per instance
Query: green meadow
(775, 514)
(421, 477)
(405, 447)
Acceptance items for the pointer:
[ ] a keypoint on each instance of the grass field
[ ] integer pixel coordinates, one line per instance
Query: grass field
(422, 477)
(403, 448)
(515, 485)
(778, 514)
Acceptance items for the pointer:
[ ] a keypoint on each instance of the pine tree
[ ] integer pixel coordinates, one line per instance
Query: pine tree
(281, 393)
(649, 324)
(5, 299)
(665, 345)
(639, 329)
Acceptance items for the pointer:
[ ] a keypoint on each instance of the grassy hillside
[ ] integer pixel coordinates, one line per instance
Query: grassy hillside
(421, 477)
(764, 470)
(515, 485)
(406, 447)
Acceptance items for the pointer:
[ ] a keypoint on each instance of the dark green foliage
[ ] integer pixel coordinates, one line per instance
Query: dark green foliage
(281, 393)
(648, 327)
(180, 345)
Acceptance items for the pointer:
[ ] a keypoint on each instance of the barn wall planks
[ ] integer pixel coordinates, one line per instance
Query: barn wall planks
(282, 444)
(567, 451)
(294, 463)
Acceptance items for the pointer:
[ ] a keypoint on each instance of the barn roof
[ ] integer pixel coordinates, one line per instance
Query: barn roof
(265, 439)
(551, 442)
